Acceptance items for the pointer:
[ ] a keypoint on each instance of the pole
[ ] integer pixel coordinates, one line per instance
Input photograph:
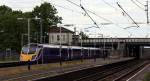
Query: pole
(81, 47)
(21, 40)
(41, 31)
(28, 33)
(128, 15)
(104, 48)
(112, 47)
(95, 50)
(146, 10)
(60, 48)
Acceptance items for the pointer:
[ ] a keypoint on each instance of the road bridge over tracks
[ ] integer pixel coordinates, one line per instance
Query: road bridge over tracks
(125, 46)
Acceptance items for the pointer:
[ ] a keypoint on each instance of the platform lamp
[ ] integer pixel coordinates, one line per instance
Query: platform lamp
(60, 41)
(81, 45)
(28, 20)
(101, 36)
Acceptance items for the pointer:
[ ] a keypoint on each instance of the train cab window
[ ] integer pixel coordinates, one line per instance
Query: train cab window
(25, 50)
(32, 50)
(29, 50)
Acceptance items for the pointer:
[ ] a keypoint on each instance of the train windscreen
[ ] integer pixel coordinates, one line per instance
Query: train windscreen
(29, 50)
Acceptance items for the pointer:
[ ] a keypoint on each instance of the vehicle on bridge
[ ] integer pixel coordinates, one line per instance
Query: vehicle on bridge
(34, 52)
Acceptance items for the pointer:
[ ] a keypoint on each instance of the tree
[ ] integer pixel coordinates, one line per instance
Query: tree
(47, 13)
(84, 36)
(12, 29)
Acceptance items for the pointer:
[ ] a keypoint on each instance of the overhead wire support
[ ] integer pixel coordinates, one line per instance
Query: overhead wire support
(89, 15)
(146, 10)
(128, 15)
(109, 21)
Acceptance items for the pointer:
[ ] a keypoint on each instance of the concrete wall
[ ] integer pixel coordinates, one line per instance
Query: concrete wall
(145, 53)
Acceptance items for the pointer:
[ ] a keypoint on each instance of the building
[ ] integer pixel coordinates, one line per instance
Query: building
(54, 35)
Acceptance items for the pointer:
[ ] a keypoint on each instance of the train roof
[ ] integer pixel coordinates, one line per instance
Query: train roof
(63, 46)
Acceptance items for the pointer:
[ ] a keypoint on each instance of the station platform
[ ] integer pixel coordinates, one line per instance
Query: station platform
(141, 75)
(21, 73)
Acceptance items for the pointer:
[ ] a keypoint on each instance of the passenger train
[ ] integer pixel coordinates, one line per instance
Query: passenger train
(37, 52)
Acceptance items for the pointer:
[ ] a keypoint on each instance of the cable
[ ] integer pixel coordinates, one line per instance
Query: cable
(110, 22)
(89, 16)
(66, 8)
(137, 5)
(90, 11)
(128, 15)
(115, 9)
(63, 7)
(140, 3)
(109, 4)
(130, 27)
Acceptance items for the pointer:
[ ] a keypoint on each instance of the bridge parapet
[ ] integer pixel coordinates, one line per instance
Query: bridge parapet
(114, 40)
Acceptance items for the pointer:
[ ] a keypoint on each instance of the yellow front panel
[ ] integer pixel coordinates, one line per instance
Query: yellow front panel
(26, 57)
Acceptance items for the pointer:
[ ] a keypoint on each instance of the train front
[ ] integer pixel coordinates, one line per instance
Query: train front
(28, 52)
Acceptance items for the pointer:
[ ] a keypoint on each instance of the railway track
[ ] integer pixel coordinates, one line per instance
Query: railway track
(96, 73)
(131, 72)
(93, 74)
(12, 64)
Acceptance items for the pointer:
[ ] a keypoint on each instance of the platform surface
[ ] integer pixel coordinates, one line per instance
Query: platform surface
(51, 69)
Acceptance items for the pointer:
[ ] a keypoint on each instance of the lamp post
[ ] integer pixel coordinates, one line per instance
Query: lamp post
(60, 55)
(104, 47)
(28, 20)
(41, 31)
(22, 38)
(94, 47)
(112, 48)
(100, 35)
(81, 46)
(60, 40)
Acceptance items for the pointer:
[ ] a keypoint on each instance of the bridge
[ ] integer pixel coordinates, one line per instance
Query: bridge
(126, 46)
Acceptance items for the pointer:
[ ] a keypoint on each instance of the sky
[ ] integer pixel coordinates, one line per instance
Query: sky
(107, 11)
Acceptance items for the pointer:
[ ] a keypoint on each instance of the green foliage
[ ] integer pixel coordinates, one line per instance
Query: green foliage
(48, 14)
(147, 77)
(84, 36)
(11, 29)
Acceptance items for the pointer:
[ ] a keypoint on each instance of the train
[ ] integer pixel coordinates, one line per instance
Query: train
(49, 52)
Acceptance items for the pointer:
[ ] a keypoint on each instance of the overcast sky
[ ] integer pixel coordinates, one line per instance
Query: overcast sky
(107, 9)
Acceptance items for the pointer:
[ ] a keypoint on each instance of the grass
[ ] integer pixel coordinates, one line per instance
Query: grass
(23, 69)
(13, 71)
(9, 59)
(147, 77)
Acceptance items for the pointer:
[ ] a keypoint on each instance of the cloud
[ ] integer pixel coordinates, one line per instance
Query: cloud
(108, 9)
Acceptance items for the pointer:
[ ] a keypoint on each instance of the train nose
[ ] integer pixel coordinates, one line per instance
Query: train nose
(26, 57)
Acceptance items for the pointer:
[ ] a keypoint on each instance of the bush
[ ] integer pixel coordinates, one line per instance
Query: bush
(147, 77)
